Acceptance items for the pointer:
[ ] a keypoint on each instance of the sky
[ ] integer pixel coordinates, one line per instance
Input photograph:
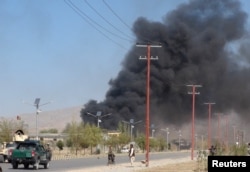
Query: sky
(65, 52)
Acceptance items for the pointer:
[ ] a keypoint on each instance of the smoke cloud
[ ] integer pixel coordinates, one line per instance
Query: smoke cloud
(203, 42)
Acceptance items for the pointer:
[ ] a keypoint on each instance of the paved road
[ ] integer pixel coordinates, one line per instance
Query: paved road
(98, 162)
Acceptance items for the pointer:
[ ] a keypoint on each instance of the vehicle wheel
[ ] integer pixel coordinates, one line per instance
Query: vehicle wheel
(14, 164)
(1, 159)
(36, 165)
(4, 159)
(26, 165)
(46, 165)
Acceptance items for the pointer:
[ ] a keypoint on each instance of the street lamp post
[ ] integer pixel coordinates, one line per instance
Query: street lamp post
(37, 105)
(179, 139)
(196, 142)
(153, 130)
(167, 135)
(132, 124)
(98, 116)
(131, 134)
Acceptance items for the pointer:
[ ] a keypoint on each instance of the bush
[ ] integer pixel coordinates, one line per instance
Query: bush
(60, 145)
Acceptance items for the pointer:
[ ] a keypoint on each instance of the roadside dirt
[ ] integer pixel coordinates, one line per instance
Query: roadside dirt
(189, 166)
(167, 165)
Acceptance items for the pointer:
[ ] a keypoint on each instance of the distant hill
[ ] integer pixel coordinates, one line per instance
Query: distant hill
(57, 119)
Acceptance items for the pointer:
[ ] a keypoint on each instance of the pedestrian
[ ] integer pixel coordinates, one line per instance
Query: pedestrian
(131, 154)
(111, 156)
(49, 152)
(212, 150)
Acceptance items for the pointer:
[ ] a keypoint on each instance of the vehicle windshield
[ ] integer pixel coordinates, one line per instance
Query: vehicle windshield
(10, 145)
(26, 146)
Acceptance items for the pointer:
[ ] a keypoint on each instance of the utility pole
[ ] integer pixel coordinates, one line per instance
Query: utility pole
(234, 135)
(219, 130)
(209, 123)
(193, 114)
(148, 58)
(226, 137)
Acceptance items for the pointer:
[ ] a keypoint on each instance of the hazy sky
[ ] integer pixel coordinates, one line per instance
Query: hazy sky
(66, 51)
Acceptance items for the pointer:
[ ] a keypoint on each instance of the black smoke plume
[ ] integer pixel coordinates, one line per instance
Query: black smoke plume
(203, 42)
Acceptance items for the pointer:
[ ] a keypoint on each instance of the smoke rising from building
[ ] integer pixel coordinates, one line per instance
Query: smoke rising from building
(203, 42)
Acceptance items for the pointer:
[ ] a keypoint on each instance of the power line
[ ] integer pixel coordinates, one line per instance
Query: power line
(116, 15)
(94, 22)
(86, 18)
(106, 19)
(109, 7)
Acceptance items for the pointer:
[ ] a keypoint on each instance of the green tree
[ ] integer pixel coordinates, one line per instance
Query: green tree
(9, 127)
(153, 144)
(6, 130)
(92, 135)
(60, 144)
(52, 130)
(74, 135)
(123, 139)
(140, 140)
(113, 140)
(161, 142)
(69, 143)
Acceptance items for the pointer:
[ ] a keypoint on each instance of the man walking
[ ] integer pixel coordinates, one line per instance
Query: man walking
(131, 154)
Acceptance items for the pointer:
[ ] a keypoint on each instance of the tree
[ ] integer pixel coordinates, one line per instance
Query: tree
(52, 130)
(113, 140)
(60, 144)
(140, 140)
(123, 139)
(92, 135)
(152, 144)
(6, 130)
(8, 127)
(75, 131)
(161, 143)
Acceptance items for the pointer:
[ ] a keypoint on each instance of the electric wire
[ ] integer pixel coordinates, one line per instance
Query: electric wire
(106, 20)
(91, 20)
(107, 5)
(85, 18)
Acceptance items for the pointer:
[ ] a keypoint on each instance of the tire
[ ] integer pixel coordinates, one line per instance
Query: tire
(26, 165)
(46, 165)
(36, 165)
(14, 164)
(1, 158)
(5, 158)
